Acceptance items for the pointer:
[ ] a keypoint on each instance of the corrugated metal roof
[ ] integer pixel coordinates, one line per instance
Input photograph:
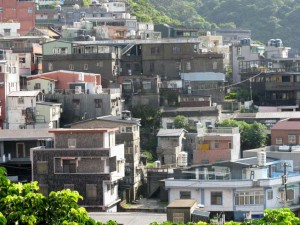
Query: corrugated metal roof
(24, 93)
(170, 132)
(24, 134)
(182, 203)
(287, 124)
(203, 76)
(280, 115)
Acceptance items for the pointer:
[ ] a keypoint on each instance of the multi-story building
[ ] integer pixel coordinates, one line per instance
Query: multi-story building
(273, 80)
(216, 144)
(238, 188)
(169, 145)
(208, 116)
(87, 57)
(29, 51)
(85, 160)
(168, 58)
(22, 11)
(140, 90)
(244, 50)
(9, 29)
(15, 148)
(63, 80)
(204, 83)
(28, 110)
(9, 80)
(286, 132)
(129, 135)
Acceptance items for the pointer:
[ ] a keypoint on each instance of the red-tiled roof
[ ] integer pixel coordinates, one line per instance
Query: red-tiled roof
(287, 124)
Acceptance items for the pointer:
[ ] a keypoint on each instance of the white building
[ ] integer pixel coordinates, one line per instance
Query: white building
(9, 29)
(27, 110)
(238, 188)
(244, 51)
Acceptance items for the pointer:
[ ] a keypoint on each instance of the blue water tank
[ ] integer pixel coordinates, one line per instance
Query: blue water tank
(278, 43)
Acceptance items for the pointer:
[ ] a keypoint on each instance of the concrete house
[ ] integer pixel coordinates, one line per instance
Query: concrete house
(237, 188)
(286, 132)
(65, 81)
(205, 115)
(81, 106)
(21, 11)
(27, 110)
(9, 80)
(85, 160)
(87, 57)
(216, 144)
(15, 148)
(204, 83)
(140, 90)
(129, 135)
(169, 145)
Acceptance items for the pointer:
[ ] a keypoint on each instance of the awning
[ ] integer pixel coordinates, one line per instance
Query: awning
(198, 212)
(282, 188)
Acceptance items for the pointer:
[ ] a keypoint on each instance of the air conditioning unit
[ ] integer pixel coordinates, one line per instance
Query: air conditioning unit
(78, 90)
(270, 65)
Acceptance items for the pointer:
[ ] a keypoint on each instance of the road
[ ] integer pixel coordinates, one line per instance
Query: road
(129, 218)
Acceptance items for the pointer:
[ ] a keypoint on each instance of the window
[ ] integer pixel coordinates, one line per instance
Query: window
(278, 141)
(91, 191)
(72, 143)
(20, 147)
(291, 139)
(215, 65)
(204, 161)
(98, 103)
(37, 86)
(42, 167)
(76, 103)
(29, 10)
(69, 165)
(239, 51)
(154, 50)
(20, 100)
(270, 194)
(176, 50)
(152, 67)
(85, 66)
(6, 32)
(229, 145)
(290, 194)
(216, 198)
(147, 85)
(188, 66)
(71, 66)
(99, 64)
(217, 144)
(185, 195)
(249, 198)
(50, 66)
(64, 51)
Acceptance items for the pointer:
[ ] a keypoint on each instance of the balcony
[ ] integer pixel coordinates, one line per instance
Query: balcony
(282, 86)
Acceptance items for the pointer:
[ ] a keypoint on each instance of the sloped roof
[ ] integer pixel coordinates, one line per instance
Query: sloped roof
(24, 93)
(170, 132)
(24, 134)
(287, 124)
(203, 76)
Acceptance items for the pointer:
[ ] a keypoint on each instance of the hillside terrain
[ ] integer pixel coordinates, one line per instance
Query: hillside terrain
(267, 19)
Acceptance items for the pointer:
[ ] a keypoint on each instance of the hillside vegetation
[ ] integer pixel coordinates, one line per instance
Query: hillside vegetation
(267, 19)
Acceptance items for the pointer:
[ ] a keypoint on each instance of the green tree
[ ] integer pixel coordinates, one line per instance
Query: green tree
(252, 135)
(181, 122)
(283, 216)
(20, 203)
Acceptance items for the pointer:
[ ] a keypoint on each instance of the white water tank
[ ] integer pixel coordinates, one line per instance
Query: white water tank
(157, 164)
(182, 159)
(261, 158)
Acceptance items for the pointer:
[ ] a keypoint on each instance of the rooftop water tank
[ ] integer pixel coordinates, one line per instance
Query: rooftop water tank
(261, 158)
(182, 159)
(157, 164)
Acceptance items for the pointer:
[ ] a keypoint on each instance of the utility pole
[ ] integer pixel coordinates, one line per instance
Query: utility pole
(284, 182)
